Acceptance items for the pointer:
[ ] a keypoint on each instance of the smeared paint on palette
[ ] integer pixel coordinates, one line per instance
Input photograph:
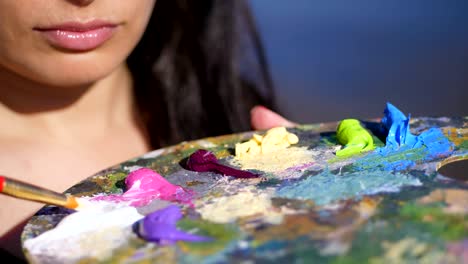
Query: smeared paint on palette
(387, 205)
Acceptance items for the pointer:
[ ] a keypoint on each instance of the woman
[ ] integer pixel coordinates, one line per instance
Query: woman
(80, 91)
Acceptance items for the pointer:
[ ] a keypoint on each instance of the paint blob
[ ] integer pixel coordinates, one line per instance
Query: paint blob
(145, 185)
(430, 145)
(205, 161)
(326, 187)
(397, 125)
(275, 139)
(404, 150)
(279, 160)
(160, 227)
(355, 138)
(399, 135)
(92, 233)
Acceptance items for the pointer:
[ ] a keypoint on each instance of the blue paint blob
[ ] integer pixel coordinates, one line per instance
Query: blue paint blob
(160, 227)
(397, 125)
(404, 150)
(326, 187)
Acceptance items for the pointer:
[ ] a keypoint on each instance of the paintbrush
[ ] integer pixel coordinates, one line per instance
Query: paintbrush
(27, 191)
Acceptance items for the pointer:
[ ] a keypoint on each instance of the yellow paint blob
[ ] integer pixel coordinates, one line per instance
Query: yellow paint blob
(272, 152)
(277, 161)
(275, 139)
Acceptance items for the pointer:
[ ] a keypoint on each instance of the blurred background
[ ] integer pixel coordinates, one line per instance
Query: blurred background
(335, 59)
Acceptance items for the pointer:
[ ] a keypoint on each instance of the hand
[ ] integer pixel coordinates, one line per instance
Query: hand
(262, 118)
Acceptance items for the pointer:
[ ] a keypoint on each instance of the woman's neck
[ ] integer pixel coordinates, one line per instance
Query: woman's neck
(28, 108)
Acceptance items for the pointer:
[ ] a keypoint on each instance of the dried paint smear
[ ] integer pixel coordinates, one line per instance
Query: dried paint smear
(326, 187)
(246, 202)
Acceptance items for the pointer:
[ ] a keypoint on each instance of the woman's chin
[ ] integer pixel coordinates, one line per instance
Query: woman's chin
(75, 79)
(60, 69)
(72, 74)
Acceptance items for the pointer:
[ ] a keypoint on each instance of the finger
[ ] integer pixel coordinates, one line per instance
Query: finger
(263, 118)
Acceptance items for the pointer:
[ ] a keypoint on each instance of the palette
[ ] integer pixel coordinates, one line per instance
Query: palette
(308, 205)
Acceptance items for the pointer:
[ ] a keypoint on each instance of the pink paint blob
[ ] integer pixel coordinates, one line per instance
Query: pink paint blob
(145, 185)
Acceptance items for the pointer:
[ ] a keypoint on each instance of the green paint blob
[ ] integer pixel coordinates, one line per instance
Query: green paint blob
(354, 137)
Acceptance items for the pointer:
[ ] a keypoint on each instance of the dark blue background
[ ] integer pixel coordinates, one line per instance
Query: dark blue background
(336, 59)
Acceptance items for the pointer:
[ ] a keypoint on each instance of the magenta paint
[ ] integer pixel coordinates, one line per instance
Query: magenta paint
(204, 161)
(144, 185)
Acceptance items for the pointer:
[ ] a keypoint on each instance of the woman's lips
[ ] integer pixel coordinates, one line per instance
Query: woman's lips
(75, 36)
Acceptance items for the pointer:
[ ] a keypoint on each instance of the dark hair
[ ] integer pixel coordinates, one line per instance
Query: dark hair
(198, 70)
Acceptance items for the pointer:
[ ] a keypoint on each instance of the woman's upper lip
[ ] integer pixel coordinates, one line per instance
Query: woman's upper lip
(76, 26)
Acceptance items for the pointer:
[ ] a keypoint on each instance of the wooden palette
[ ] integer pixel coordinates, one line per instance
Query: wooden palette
(346, 214)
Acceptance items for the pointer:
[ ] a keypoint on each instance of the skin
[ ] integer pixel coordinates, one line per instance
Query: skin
(263, 118)
(65, 114)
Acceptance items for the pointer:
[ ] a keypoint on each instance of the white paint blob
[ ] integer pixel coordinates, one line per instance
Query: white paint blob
(92, 233)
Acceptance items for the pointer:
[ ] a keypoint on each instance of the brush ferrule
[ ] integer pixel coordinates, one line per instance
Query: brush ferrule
(27, 191)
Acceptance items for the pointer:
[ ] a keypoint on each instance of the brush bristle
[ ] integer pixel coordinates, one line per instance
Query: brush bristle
(72, 203)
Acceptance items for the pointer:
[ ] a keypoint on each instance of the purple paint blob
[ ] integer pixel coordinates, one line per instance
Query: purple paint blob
(145, 185)
(160, 227)
(204, 161)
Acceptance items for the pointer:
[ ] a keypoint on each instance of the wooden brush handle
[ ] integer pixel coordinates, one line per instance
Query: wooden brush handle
(31, 192)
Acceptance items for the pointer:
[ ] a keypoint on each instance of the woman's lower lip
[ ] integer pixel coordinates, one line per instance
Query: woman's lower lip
(78, 40)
